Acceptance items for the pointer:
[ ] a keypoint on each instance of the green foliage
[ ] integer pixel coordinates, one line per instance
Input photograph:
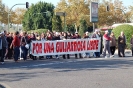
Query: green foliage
(38, 31)
(83, 27)
(36, 17)
(3, 13)
(128, 31)
(56, 23)
(71, 28)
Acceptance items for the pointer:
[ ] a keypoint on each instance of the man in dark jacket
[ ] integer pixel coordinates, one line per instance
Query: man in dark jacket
(1, 59)
(4, 47)
(10, 49)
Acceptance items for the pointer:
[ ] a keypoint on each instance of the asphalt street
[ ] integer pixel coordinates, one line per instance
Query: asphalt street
(68, 73)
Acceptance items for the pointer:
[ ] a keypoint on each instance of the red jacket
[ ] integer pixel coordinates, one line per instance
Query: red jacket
(106, 37)
(16, 41)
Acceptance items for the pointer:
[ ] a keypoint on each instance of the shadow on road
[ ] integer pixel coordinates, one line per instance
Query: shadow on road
(89, 65)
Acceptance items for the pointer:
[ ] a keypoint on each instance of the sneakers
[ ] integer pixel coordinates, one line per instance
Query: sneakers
(111, 56)
(21, 58)
(57, 57)
(106, 57)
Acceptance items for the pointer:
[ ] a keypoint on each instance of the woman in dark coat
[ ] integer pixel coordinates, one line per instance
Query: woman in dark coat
(32, 38)
(49, 37)
(121, 45)
(10, 48)
(65, 37)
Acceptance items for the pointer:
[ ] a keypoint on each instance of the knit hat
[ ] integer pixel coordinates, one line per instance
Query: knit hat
(106, 31)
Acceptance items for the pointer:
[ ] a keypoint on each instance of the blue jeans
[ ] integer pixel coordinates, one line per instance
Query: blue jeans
(24, 52)
(96, 54)
(87, 54)
(1, 56)
(16, 53)
(57, 56)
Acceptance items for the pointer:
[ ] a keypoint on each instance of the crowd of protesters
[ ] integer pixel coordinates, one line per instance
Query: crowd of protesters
(12, 45)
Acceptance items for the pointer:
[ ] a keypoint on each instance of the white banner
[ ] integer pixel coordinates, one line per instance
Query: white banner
(71, 46)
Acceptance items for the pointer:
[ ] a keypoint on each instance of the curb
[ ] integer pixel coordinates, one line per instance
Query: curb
(2, 85)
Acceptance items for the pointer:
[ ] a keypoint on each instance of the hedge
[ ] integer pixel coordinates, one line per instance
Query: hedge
(38, 31)
(128, 31)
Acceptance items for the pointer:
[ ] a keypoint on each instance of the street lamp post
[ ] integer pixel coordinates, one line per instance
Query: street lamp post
(9, 12)
(64, 21)
(76, 27)
(62, 14)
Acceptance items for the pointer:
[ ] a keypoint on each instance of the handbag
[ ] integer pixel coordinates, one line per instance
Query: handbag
(27, 45)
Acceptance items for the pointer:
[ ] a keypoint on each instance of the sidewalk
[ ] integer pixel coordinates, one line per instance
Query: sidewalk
(127, 53)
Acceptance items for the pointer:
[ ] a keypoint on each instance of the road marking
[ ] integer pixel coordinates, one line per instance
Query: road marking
(53, 63)
(61, 62)
(38, 65)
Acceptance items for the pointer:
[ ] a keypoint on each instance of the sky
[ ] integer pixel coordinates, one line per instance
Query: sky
(10, 3)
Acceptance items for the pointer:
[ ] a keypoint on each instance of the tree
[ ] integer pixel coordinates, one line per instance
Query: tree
(128, 31)
(130, 17)
(18, 15)
(56, 23)
(83, 27)
(75, 10)
(3, 13)
(71, 28)
(36, 16)
(114, 15)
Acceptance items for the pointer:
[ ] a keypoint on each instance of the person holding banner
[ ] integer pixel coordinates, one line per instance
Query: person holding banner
(69, 36)
(49, 37)
(77, 36)
(32, 38)
(96, 35)
(56, 37)
(43, 37)
(65, 37)
(101, 36)
(86, 36)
